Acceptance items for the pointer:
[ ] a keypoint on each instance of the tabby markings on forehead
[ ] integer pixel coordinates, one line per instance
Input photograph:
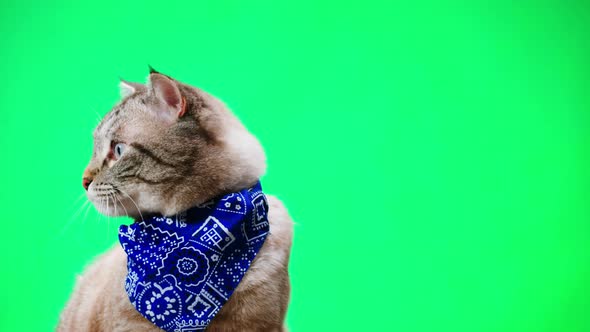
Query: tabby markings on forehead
(113, 128)
(105, 119)
(111, 123)
(106, 123)
(112, 114)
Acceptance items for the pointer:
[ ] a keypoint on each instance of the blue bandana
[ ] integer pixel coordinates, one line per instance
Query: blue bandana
(182, 269)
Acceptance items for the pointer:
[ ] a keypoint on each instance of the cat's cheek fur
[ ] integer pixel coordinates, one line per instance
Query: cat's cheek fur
(149, 202)
(126, 207)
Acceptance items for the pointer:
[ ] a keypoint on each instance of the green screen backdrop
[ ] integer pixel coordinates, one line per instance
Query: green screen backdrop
(434, 154)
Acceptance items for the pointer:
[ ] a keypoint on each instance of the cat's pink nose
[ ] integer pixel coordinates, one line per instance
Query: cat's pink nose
(86, 183)
(87, 178)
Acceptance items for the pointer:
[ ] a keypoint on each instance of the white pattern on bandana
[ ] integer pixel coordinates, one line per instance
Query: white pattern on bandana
(182, 269)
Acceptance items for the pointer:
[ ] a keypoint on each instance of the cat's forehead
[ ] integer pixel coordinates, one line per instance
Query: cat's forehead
(125, 111)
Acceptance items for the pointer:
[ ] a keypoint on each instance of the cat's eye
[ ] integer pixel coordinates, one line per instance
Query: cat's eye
(118, 150)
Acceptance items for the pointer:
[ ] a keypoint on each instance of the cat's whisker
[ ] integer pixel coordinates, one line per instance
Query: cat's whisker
(120, 202)
(78, 210)
(108, 198)
(102, 208)
(70, 221)
(78, 199)
(105, 216)
(85, 217)
(114, 202)
(132, 201)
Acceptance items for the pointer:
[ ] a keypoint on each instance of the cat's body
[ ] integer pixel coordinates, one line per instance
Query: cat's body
(100, 303)
(165, 148)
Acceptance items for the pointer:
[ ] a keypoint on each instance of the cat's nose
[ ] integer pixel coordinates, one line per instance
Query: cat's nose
(86, 183)
(87, 179)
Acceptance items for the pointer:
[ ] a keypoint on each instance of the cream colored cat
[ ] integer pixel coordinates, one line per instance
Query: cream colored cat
(164, 148)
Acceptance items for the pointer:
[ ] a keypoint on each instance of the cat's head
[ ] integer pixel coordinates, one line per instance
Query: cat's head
(167, 146)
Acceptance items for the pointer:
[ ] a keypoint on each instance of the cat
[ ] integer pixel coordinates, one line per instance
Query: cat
(164, 148)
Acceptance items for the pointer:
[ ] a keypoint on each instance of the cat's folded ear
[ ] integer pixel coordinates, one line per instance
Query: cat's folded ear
(167, 92)
(128, 88)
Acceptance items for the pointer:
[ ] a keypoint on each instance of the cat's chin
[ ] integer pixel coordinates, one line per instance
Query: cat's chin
(117, 208)
(110, 211)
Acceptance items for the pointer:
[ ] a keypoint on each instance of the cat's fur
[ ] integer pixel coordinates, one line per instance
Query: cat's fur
(182, 148)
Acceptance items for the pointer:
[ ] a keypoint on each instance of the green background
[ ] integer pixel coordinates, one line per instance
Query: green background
(433, 154)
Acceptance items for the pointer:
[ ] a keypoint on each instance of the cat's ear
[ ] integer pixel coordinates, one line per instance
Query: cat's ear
(128, 88)
(167, 92)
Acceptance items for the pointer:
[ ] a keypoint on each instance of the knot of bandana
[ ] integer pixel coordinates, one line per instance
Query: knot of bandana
(182, 269)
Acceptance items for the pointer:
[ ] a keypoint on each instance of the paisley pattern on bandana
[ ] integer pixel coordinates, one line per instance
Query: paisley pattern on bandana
(183, 269)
